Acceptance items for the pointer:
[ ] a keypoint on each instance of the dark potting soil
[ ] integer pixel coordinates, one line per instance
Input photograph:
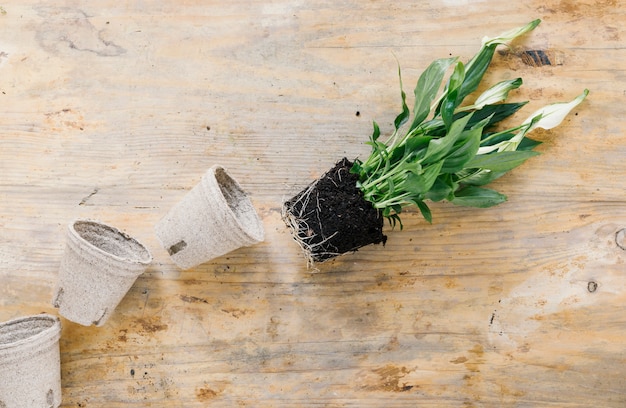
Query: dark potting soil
(330, 217)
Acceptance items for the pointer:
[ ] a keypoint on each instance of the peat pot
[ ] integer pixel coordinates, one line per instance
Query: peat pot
(30, 363)
(99, 266)
(213, 218)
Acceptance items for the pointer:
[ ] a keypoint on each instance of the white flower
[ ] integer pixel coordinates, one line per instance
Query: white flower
(552, 115)
(497, 93)
(511, 34)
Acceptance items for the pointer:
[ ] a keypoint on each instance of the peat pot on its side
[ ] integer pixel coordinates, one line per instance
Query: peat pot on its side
(30, 364)
(213, 219)
(330, 217)
(99, 266)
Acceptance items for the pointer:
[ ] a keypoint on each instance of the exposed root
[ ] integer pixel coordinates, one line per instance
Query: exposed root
(330, 217)
(294, 216)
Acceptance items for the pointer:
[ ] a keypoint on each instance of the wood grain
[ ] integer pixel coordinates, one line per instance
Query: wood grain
(113, 110)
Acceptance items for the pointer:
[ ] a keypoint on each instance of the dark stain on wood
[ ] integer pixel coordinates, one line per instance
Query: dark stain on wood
(535, 58)
(122, 335)
(205, 394)
(620, 239)
(192, 299)
(152, 324)
(459, 360)
(87, 197)
(390, 377)
(237, 313)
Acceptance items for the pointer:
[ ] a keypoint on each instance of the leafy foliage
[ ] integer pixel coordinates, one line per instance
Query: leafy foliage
(453, 154)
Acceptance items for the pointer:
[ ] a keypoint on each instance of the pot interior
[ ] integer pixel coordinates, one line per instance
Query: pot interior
(237, 201)
(112, 241)
(22, 329)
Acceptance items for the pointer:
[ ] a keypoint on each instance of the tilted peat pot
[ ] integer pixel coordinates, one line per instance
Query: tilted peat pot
(214, 218)
(99, 266)
(30, 364)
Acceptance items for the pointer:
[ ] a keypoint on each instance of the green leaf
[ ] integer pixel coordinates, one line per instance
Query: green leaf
(497, 112)
(451, 99)
(416, 143)
(420, 183)
(440, 190)
(412, 151)
(428, 216)
(528, 144)
(376, 133)
(413, 167)
(448, 106)
(500, 161)
(356, 167)
(394, 219)
(404, 115)
(475, 71)
(377, 148)
(439, 148)
(489, 139)
(427, 87)
(471, 196)
(481, 177)
(463, 151)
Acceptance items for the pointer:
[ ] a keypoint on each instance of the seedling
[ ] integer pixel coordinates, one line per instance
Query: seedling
(439, 150)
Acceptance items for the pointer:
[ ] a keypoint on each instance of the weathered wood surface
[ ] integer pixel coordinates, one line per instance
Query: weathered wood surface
(113, 110)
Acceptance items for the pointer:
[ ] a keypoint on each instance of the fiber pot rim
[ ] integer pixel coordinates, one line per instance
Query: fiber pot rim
(51, 333)
(140, 253)
(254, 232)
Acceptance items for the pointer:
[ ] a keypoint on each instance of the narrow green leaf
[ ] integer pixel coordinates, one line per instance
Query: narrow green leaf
(471, 196)
(416, 143)
(427, 87)
(481, 177)
(428, 216)
(463, 151)
(439, 190)
(439, 148)
(376, 133)
(356, 168)
(451, 99)
(489, 139)
(390, 185)
(420, 183)
(475, 70)
(394, 219)
(414, 167)
(448, 106)
(404, 115)
(528, 144)
(497, 112)
(500, 161)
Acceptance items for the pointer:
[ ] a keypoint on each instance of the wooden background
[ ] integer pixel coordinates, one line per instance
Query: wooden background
(113, 109)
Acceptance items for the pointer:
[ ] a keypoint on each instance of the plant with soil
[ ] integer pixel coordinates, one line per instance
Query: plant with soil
(442, 150)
